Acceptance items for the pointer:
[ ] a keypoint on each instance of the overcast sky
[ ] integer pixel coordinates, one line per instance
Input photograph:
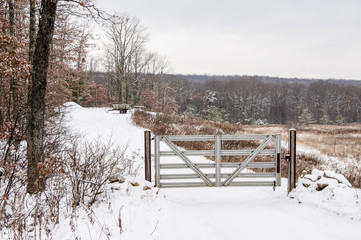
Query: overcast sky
(284, 38)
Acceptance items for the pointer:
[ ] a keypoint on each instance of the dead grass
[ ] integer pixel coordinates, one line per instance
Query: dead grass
(324, 147)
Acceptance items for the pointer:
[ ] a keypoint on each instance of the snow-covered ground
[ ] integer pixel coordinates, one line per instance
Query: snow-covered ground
(203, 213)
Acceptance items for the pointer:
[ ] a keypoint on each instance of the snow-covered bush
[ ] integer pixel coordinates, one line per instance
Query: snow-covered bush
(330, 191)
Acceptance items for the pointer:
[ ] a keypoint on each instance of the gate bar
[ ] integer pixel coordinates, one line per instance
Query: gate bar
(223, 152)
(212, 175)
(218, 147)
(223, 165)
(210, 138)
(157, 161)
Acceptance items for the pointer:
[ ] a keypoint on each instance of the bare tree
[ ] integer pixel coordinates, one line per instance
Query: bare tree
(128, 38)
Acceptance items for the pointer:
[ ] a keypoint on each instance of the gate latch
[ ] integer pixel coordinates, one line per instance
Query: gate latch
(287, 157)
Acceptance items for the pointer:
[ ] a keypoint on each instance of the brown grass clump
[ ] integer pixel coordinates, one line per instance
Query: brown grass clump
(165, 124)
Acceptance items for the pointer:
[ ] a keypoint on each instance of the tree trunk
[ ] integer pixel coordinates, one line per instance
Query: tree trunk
(13, 94)
(36, 100)
(32, 31)
(11, 17)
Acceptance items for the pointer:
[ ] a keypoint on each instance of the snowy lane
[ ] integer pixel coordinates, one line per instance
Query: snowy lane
(249, 213)
(203, 213)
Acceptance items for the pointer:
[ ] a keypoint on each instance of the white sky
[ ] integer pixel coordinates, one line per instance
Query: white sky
(284, 38)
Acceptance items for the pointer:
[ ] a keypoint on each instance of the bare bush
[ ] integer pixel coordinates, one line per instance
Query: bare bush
(88, 167)
(75, 173)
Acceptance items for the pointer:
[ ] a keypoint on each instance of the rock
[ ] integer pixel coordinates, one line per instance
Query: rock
(321, 186)
(338, 177)
(317, 173)
(145, 188)
(305, 182)
(113, 179)
(323, 182)
(122, 179)
(135, 184)
(313, 178)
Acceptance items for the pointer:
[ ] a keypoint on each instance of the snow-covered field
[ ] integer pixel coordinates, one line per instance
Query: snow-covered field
(203, 213)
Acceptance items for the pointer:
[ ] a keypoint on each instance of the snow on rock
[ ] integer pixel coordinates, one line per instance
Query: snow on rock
(330, 191)
(339, 177)
(324, 179)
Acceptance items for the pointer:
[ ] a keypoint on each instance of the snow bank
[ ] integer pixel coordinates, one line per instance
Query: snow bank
(329, 191)
(131, 211)
(71, 105)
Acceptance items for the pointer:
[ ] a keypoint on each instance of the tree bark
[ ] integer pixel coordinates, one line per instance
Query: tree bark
(36, 100)
(11, 17)
(13, 94)
(31, 30)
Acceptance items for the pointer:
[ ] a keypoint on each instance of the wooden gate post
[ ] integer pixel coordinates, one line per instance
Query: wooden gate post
(147, 156)
(292, 160)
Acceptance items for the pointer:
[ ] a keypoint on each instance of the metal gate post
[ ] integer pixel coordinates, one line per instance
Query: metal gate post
(292, 162)
(278, 160)
(217, 148)
(147, 156)
(157, 161)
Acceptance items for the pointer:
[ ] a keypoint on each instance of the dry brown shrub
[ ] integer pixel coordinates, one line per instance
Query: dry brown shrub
(228, 128)
(307, 162)
(143, 119)
(353, 175)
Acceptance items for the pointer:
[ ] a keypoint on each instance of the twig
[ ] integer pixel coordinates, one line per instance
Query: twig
(155, 227)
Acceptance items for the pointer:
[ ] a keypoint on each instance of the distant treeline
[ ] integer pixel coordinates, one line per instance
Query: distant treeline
(260, 100)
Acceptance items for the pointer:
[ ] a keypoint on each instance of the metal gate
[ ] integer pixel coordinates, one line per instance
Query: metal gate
(189, 173)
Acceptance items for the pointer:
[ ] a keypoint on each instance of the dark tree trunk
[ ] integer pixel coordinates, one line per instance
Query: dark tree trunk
(32, 31)
(11, 16)
(36, 100)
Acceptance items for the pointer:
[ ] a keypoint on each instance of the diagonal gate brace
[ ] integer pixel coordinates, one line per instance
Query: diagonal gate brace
(188, 162)
(247, 161)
